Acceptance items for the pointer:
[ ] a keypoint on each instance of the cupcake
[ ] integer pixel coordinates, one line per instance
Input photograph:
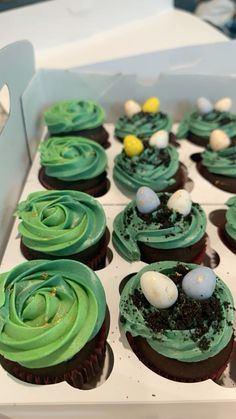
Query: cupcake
(159, 227)
(217, 163)
(228, 229)
(83, 118)
(178, 319)
(73, 163)
(63, 224)
(53, 325)
(143, 121)
(198, 125)
(154, 164)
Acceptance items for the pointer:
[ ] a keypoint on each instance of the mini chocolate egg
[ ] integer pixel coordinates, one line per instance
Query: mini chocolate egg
(199, 283)
(180, 201)
(146, 200)
(131, 108)
(151, 105)
(159, 290)
(223, 105)
(204, 105)
(219, 140)
(133, 146)
(159, 139)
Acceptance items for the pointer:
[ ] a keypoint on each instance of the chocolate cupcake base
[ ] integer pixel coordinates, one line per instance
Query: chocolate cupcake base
(194, 253)
(94, 257)
(99, 135)
(96, 187)
(201, 141)
(222, 182)
(80, 370)
(227, 239)
(176, 370)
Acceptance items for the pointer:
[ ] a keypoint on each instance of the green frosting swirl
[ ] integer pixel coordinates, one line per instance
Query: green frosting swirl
(230, 225)
(203, 125)
(49, 310)
(177, 231)
(154, 168)
(73, 115)
(60, 223)
(172, 342)
(143, 125)
(221, 162)
(72, 158)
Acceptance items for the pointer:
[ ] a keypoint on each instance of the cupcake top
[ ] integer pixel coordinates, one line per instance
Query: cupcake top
(60, 223)
(143, 121)
(194, 325)
(220, 155)
(168, 221)
(143, 164)
(49, 310)
(73, 115)
(230, 225)
(208, 117)
(72, 158)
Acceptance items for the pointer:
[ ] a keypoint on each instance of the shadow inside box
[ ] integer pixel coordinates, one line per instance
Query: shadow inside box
(228, 378)
(211, 258)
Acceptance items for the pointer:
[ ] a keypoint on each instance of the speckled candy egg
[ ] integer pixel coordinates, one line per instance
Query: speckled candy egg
(219, 140)
(199, 283)
(204, 105)
(180, 202)
(151, 105)
(160, 139)
(133, 146)
(131, 108)
(146, 200)
(223, 105)
(159, 290)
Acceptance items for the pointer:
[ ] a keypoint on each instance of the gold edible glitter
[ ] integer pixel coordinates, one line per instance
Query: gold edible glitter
(44, 275)
(53, 291)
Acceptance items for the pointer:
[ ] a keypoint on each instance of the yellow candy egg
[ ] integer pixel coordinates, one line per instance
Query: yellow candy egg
(151, 105)
(133, 146)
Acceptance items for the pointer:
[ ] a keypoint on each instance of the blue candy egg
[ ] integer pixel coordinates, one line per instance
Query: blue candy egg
(146, 200)
(199, 283)
(204, 105)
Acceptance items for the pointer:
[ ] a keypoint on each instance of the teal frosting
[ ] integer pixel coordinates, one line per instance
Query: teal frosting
(171, 341)
(230, 224)
(154, 168)
(49, 310)
(73, 115)
(221, 162)
(142, 125)
(60, 223)
(72, 158)
(203, 125)
(178, 231)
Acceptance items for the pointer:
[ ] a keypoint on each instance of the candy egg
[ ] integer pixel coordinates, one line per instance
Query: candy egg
(160, 139)
(146, 200)
(131, 108)
(180, 201)
(199, 283)
(223, 105)
(133, 146)
(159, 290)
(204, 105)
(151, 105)
(219, 140)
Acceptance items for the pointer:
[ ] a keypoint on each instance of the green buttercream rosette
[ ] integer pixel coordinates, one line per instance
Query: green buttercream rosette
(49, 310)
(230, 225)
(72, 158)
(73, 115)
(60, 223)
(221, 162)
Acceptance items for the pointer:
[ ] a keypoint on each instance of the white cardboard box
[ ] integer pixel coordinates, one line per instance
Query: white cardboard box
(131, 389)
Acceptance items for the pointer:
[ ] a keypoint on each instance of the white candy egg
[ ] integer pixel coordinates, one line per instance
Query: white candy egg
(204, 105)
(223, 105)
(158, 289)
(159, 139)
(219, 140)
(180, 201)
(131, 108)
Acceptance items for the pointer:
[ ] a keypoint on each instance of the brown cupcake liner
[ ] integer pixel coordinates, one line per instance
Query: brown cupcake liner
(226, 239)
(221, 182)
